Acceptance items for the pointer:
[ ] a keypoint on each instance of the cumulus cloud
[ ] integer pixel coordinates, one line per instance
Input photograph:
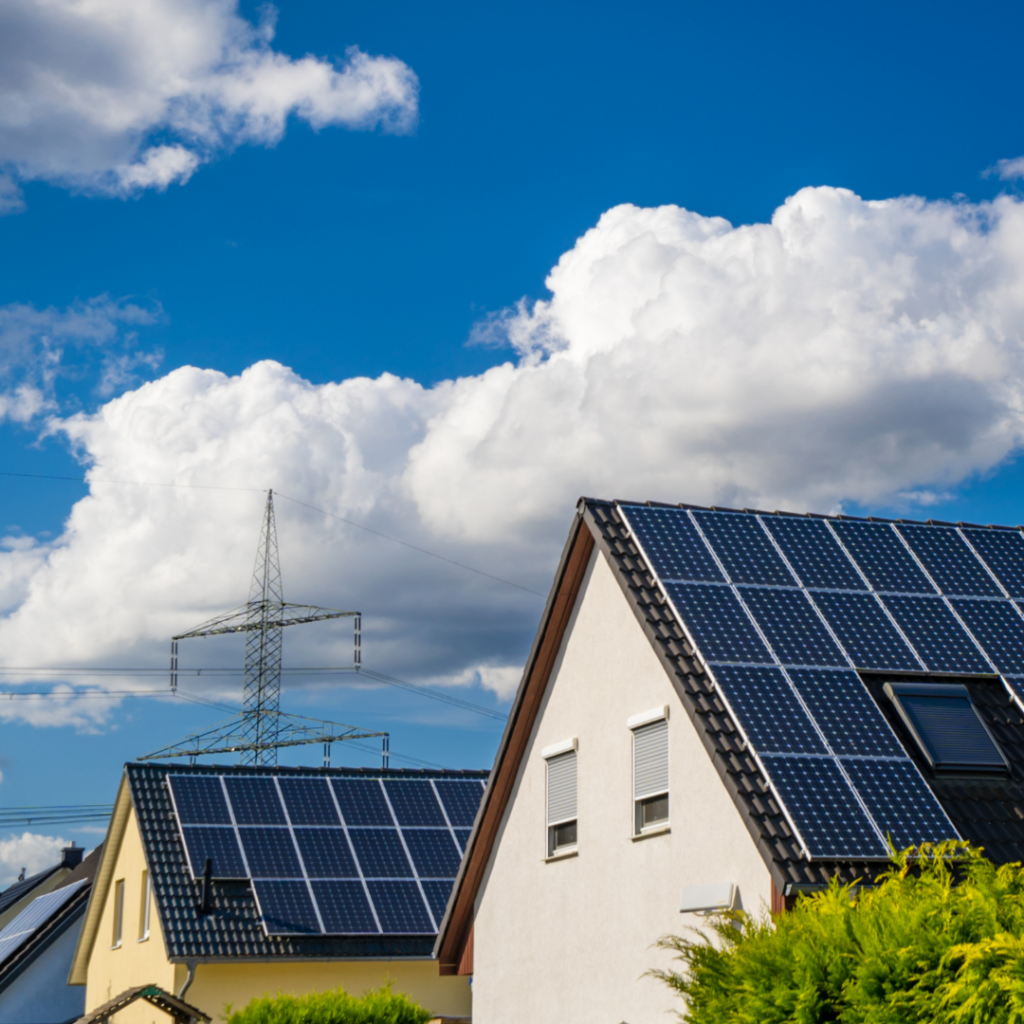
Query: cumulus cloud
(40, 347)
(118, 96)
(847, 351)
(29, 851)
(1007, 170)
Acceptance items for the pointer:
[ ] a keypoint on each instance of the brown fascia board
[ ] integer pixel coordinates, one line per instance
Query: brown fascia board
(458, 920)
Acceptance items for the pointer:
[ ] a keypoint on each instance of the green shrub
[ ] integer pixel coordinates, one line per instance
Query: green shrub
(940, 940)
(381, 1006)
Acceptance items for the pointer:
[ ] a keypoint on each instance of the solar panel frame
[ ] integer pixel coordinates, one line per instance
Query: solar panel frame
(429, 854)
(326, 852)
(396, 907)
(380, 853)
(462, 834)
(286, 907)
(738, 540)
(414, 802)
(998, 549)
(867, 631)
(219, 843)
(949, 561)
(270, 851)
(459, 800)
(317, 805)
(938, 636)
(813, 553)
(344, 901)
(254, 800)
(362, 802)
(795, 632)
(998, 628)
(880, 554)
(437, 891)
(683, 555)
(717, 623)
(199, 800)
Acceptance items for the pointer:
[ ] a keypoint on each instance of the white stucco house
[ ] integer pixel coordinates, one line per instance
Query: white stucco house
(723, 709)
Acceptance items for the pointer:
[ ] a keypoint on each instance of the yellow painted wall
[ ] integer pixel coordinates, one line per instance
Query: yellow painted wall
(113, 970)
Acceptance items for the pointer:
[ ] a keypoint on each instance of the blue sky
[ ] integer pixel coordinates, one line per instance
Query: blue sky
(345, 253)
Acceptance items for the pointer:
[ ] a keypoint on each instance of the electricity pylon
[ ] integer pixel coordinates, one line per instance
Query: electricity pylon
(263, 618)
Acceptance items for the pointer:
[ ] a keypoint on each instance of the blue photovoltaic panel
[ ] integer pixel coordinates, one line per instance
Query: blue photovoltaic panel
(362, 802)
(936, 635)
(882, 557)
(286, 907)
(949, 561)
(344, 908)
(414, 802)
(1003, 551)
(868, 634)
(270, 853)
(220, 845)
(462, 835)
(199, 799)
(433, 852)
(903, 806)
(325, 853)
(18, 931)
(672, 545)
(718, 624)
(437, 897)
(814, 553)
(309, 801)
(744, 548)
(768, 710)
(380, 853)
(998, 628)
(461, 800)
(400, 908)
(823, 808)
(792, 626)
(846, 713)
(254, 800)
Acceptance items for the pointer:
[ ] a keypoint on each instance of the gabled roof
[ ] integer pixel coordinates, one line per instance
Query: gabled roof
(988, 811)
(232, 928)
(19, 890)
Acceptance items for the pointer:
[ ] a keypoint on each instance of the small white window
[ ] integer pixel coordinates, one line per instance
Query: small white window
(561, 771)
(650, 776)
(147, 894)
(118, 913)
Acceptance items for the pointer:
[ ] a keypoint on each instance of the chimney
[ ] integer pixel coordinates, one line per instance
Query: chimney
(71, 856)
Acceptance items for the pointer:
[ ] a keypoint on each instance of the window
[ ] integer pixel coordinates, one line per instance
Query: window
(147, 894)
(118, 913)
(561, 785)
(946, 726)
(650, 772)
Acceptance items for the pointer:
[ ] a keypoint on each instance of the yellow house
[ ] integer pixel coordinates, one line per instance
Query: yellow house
(221, 884)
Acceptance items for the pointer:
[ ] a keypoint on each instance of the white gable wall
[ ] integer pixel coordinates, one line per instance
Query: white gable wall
(569, 940)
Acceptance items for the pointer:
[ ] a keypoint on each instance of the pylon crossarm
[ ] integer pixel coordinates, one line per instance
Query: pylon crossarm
(243, 620)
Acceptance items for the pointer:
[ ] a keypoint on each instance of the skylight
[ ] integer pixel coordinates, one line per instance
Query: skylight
(946, 726)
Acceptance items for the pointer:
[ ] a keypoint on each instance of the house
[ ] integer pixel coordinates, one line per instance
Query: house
(37, 944)
(725, 709)
(221, 884)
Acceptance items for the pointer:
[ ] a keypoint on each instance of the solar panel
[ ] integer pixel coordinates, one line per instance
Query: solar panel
(433, 851)
(270, 853)
(1003, 552)
(999, 629)
(949, 561)
(309, 801)
(768, 710)
(718, 623)
(345, 908)
(866, 632)
(824, 808)
(814, 553)
(437, 893)
(936, 635)
(326, 853)
(17, 932)
(793, 628)
(744, 548)
(400, 908)
(672, 544)
(380, 853)
(254, 800)
(882, 557)
(414, 802)
(220, 844)
(902, 805)
(463, 834)
(846, 713)
(362, 802)
(461, 800)
(199, 799)
(286, 907)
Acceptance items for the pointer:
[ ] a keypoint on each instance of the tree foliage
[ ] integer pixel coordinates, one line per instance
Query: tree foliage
(336, 1006)
(939, 940)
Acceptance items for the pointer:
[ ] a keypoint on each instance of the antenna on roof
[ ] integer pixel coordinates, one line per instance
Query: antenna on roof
(263, 619)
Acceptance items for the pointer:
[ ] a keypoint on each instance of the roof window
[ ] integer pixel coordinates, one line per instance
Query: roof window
(946, 726)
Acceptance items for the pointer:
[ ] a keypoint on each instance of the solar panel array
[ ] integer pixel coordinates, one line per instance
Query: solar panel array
(33, 917)
(331, 855)
(783, 610)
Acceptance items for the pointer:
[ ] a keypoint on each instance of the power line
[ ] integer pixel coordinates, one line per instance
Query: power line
(60, 814)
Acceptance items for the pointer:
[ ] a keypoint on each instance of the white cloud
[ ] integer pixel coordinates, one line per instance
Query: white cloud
(11, 199)
(847, 351)
(29, 851)
(1007, 170)
(117, 96)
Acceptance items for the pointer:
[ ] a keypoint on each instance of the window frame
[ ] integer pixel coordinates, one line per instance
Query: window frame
(117, 932)
(144, 908)
(552, 849)
(654, 717)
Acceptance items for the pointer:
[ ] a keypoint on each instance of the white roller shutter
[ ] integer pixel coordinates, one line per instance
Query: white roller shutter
(650, 759)
(562, 787)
